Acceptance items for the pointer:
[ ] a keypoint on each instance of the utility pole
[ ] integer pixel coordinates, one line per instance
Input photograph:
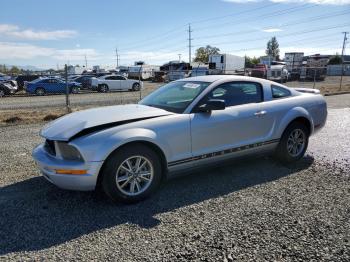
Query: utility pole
(342, 59)
(189, 42)
(117, 56)
(85, 62)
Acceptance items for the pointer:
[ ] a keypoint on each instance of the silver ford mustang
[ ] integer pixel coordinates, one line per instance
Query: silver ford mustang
(186, 124)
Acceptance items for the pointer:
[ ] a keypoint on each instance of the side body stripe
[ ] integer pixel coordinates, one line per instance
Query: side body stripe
(223, 152)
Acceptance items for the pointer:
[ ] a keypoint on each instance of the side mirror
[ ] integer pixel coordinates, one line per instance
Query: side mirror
(211, 105)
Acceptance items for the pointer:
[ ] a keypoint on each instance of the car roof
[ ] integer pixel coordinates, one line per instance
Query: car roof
(214, 78)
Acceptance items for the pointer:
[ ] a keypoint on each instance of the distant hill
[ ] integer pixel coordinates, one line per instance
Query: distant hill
(27, 67)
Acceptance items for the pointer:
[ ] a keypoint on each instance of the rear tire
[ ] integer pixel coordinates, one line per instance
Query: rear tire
(2, 93)
(124, 179)
(40, 91)
(103, 88)
(75, 90)
(293, 143)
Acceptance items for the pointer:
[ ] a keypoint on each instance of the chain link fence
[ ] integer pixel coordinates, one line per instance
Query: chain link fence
(31, 106)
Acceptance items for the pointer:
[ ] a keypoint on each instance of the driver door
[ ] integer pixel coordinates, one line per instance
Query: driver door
(217, 132)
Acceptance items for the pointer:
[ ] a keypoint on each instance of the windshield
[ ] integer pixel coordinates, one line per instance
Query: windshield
(175, 96)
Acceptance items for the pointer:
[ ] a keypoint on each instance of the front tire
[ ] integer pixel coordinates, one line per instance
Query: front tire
(40, 91)
(132, 174)
(136, 87)
(293, 144)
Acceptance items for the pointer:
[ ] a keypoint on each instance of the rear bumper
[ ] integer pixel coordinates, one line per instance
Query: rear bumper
(48, 164)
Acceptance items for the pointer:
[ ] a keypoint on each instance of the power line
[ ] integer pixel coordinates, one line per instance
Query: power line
(166, 35)
(342, 59)
(267, 15)
(233, 14)
(292, 23)
(156, 37)
(285, 35)
(189, 43)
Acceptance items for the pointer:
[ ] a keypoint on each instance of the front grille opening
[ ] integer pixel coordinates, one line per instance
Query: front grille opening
(50, 147)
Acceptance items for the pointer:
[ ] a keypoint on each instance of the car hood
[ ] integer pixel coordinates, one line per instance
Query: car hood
(87, 121)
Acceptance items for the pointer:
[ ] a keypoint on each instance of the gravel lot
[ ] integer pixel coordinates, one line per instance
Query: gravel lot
(251, 210)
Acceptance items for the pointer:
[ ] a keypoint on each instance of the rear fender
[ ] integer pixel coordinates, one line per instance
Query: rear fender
(291, 115)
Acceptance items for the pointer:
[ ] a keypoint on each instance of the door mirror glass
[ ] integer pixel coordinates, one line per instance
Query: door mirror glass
(211, 105)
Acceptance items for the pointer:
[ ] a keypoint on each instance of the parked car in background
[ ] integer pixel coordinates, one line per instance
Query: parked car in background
(25, 78)
(7, 88)
(44, 86)
(84, 80)
(4, 77)
(186, 124)
(114, 83)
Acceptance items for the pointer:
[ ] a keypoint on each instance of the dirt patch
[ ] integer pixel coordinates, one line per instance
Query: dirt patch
(12, 120)
(51, 117)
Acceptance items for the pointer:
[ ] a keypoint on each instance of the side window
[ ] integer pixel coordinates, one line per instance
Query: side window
(279, 92)
(238, 93)
(120, 78)
(109, 78)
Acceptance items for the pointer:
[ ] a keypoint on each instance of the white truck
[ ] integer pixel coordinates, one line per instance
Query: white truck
(278, 73)
(144, 72)
(225, 64)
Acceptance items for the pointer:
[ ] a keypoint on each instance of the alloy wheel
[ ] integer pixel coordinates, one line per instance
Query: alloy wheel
(296, 142)
(134, 175)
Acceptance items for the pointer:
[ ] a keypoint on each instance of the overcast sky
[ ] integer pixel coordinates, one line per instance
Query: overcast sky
(47, 33)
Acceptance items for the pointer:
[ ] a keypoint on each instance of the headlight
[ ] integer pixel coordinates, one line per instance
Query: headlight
(68, 152)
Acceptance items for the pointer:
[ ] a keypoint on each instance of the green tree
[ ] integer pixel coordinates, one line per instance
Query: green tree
(272, 48)
(15, 70)
(251, 62)
(335, 60)
(3, 69)
(202, 53)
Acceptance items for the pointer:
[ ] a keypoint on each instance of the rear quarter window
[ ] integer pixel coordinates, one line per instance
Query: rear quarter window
(279, 92)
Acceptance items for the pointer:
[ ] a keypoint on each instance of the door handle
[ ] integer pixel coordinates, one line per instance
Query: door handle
(260, 113)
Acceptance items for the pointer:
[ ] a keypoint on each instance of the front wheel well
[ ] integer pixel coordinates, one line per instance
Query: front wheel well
(151, 145)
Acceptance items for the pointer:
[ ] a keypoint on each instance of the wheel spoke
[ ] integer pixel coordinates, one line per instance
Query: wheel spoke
(137, 185)
(141, 166)
(125, 183)
(129, 165)
(125, 169)
(122, 178)
(132, 186)
(137, 164)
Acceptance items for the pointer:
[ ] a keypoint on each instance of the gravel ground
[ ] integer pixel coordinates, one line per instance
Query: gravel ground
(252, 210)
